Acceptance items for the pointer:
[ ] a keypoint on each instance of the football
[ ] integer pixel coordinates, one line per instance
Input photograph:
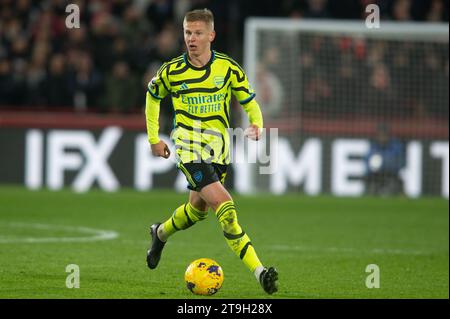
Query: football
(204, 276)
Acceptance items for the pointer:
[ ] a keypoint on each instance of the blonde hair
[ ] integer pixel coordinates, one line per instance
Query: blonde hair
(204, 15)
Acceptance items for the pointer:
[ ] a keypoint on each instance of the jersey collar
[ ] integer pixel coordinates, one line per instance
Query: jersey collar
(186, 60)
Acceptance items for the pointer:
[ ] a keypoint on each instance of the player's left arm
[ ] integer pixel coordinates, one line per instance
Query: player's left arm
(255, 118)
(246, 96)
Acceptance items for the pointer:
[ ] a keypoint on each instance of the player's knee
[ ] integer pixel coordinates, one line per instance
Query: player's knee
(215, 203)
(219, 200)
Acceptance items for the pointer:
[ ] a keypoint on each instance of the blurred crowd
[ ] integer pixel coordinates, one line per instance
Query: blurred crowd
(349, 75)
(105, 65)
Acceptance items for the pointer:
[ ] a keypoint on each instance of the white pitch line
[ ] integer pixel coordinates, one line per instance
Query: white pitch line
(95, 234)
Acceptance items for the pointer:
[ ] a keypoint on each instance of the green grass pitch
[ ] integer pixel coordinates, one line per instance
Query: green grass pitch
(320, 245)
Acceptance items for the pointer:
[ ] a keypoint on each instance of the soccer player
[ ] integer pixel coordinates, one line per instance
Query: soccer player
(201, 83)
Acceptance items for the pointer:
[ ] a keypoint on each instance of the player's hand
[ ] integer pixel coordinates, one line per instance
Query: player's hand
(253, 132)
(160, 149)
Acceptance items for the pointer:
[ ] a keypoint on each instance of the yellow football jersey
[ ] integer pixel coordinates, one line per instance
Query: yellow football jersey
(201, 99)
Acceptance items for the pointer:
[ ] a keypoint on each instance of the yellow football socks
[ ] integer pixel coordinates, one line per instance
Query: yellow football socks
(236, 238)
(182, 218)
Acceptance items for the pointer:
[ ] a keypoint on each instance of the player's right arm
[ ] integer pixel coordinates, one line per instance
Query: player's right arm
(158, 88)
